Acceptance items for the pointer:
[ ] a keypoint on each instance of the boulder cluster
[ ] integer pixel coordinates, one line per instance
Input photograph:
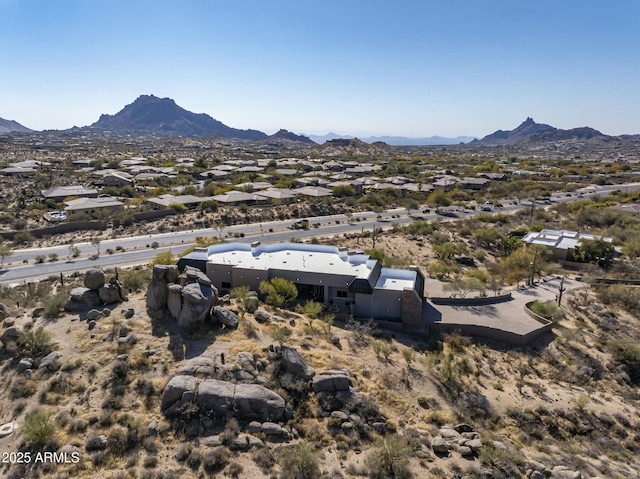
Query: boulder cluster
(95, 292)
(189, 297)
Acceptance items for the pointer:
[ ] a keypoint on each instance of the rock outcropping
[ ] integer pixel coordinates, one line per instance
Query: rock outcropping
(95, 292)
(189, 297)
(248, 401)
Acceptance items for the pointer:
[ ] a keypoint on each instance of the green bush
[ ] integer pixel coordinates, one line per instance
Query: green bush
(34, 344)
(38, 429)
(627, 352)
(390, 458)
(135, 279)
(164, 257)
(278, 291)
(548, 309)
(54, 305)
(299, 462)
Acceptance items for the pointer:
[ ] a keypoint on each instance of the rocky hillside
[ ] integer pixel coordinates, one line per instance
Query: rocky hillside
(155, 373)
(10, 126)
(150, 115)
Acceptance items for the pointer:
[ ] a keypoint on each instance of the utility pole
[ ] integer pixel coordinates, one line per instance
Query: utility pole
(561, 290)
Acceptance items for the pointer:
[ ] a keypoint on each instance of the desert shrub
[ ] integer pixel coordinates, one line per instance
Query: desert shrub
(34, 344)
(547, 309)
(235, 469)
(625, 297)
(264, 459)
(117, 441)
(150, 462)
(390, 458)
(135, 279)
(164, 257)
(183, 452)
(22, 387)
(278, 291)
(54, 304)
(627, 352)
(194, 459)
(299, 462)
(38, 429)
(215, 460)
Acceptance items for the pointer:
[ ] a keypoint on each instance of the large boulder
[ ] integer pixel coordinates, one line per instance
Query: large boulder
(203, 366)
(94, 279)
(109, 293)
(253, 401)
(158, 292)
(4, 311)
(197, 300)
(171, 273)
(294, 364)
(331, 381)
(248, 401)
(81, 298)
(195, 275)
(174, 301)
(176, 389)
(226, 317)
(261, 316)
(10, 335)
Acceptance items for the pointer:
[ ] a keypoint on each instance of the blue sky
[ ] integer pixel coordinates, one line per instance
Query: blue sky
(412, 68)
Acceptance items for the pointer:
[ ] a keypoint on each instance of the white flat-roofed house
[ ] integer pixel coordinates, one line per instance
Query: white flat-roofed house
(563, 243)
(346, 282)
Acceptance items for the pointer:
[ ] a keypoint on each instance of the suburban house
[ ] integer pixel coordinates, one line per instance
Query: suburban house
(62, 192)
(345, 282)
(93, 205)
(164, 201)
(118, 178)
(563, 243)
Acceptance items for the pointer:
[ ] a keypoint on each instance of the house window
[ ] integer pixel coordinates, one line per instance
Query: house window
(226, 285)
(342, 294)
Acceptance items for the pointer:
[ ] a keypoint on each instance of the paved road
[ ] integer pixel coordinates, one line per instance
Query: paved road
(137, 250)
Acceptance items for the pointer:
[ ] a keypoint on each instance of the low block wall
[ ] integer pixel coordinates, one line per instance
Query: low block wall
(501, 298)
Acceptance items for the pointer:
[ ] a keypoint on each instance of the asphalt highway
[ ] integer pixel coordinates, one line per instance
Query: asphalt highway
(21, 265)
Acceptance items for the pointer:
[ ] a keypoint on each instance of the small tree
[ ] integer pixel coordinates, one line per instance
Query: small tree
(96, 244)
(241, 295)
(438, 199)
(74, 251)
(38, 429)
(390, 459)
(278, 291)
(4, 252)
(164, 257)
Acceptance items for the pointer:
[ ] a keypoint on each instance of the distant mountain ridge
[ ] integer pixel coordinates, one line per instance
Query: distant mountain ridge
(531, 132)
(10, 126)
(149, 114)
(395, 140)
(287, 136)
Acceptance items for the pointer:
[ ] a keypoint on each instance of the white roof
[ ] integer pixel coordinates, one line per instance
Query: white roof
(293, 257)
(560, 239)
(396, 279)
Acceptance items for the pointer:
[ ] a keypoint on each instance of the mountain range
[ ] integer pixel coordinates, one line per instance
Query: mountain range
(396, 140)
(531, 132)
(10, 126)
(151, 115)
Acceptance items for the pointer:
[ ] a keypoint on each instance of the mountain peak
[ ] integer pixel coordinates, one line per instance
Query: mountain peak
(10, 126)
(149, 114)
